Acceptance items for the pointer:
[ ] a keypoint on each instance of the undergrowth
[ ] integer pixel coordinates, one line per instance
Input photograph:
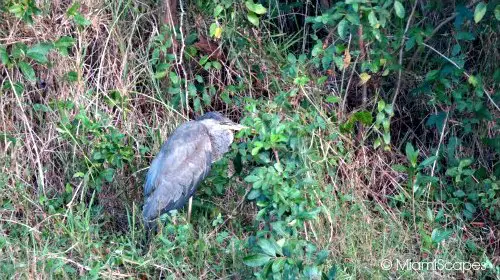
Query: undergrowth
(374, 138)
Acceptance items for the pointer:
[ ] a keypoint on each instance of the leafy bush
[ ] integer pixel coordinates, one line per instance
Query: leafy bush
(373, 136)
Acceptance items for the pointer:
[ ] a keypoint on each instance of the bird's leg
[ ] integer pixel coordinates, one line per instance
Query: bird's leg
(190, 205)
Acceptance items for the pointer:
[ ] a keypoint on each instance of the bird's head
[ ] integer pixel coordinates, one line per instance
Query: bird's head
(217, 121)
(221, 131)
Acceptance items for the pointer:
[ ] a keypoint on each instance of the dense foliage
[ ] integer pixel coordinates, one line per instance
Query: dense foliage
(373, 136)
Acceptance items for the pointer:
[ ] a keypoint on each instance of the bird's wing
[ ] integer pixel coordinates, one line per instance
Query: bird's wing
(183, 162)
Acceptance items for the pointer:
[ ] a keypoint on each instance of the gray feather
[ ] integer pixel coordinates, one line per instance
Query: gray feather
(183, 162)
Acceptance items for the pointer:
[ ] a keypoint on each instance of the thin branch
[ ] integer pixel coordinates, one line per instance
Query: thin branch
(441, 138)
(434, 32)
(465, 73)
(401, 48)
(342, 108)
(344, 101)
(304, 36)
(180, 62)
(29, 130)
(21, 224)
(231, 215)
(447, 20)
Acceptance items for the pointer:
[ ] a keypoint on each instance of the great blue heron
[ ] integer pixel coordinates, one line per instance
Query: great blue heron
(184, 161)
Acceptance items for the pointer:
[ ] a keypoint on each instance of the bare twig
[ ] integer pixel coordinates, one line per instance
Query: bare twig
(87, 268)
(446, 21)
(401, 49)
(304, 35)
(233, 212)
(180, 62)
(21, 224)
(342, 109)
(328, 215)
(436, 29)
(441, 138)
(465, 73)
(29, 130)
(344, 101)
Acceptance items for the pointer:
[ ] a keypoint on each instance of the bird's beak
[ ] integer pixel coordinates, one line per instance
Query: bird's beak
(237, 127)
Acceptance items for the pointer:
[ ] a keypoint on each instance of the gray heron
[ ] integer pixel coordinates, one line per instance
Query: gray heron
(184, 161)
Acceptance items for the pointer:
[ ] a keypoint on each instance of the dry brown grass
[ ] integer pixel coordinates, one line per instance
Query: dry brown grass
(111, 55)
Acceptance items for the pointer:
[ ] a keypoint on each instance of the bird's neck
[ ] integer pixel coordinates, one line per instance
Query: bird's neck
(221, 141)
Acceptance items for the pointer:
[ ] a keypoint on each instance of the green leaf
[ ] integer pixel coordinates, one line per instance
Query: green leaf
(470, 207)
(372, 18)
(377, 143)
(256, 260)
(301, 81)
(255, 150)
(212, 29)
(72, 76)
(174, 77)
(364, 117)
(381, 105)
(439, 235)
(321, 257)
(342, 28)
(386, 123)
(161, 74)
(278, 167)
(430, 215)
(73, 9)
(399, 168)
(465, 162)
(64, 42)
(377, 34)
(80, 20)
(17, 10)
(38, 57)
(364, 77)
(497, 12)
(459, 193)
(253, 194)
(389, 110)
(267, 247)
(28, 71)
(17, 88)
(400, 9)
(479, 12)
(428, 161)
(4, 56)
(252, 18)
(216, 65)
(353, 18)
(218, 10)
(256, 8)
(108, 174)
(473, 80)
(251, 178)
(410, 43)
(411, 154)
(333, 99)
(278, 265)
(42, 48)
(387, 138)
(39, 52)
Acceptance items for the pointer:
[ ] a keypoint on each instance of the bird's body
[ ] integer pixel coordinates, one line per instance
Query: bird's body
(184, 161)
